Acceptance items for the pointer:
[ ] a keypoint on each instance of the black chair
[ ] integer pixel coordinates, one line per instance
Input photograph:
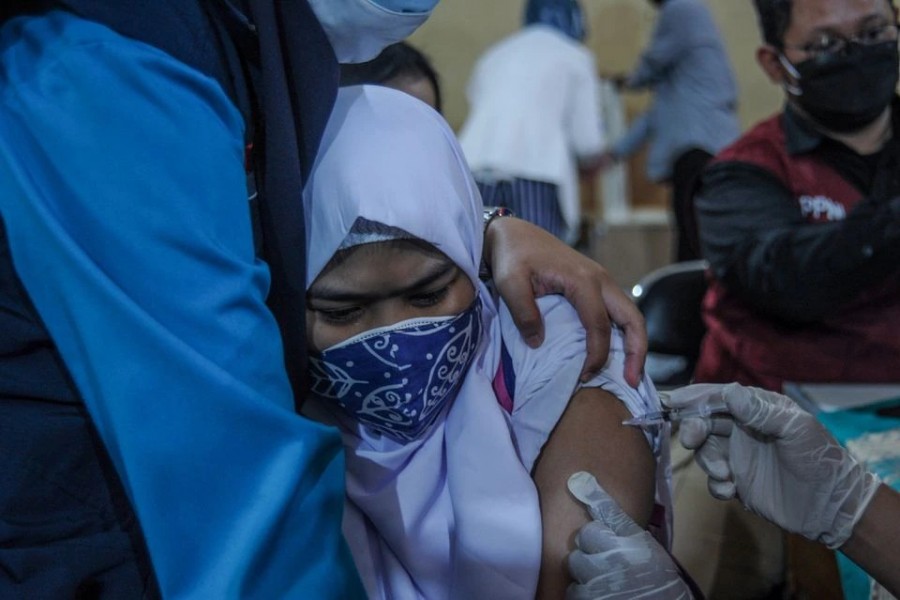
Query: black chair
(670, 299)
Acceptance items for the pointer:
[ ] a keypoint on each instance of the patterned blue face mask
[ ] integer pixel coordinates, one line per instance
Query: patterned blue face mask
(397, 379)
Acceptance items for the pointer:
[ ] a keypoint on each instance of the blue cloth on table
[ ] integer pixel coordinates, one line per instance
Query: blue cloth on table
(848, 426)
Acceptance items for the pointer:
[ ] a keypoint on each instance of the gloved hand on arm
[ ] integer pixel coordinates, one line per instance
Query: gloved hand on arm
(778, 460)
(614, 556)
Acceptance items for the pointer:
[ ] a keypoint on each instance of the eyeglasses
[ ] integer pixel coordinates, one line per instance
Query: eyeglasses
(829, 44)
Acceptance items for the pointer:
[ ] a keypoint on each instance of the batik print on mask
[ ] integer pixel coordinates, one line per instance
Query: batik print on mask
(396, 380)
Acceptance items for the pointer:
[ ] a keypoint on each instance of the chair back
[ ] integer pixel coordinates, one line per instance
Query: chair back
(670, 299)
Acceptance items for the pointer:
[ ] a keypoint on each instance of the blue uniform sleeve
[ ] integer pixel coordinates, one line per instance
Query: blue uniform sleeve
(125, 204)
(671, 39)
(638, 134)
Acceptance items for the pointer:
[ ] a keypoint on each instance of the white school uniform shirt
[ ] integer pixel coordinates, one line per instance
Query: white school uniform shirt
(454, 513)
(533, 111)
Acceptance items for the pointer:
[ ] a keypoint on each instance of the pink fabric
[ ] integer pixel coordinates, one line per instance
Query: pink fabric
(501, 390)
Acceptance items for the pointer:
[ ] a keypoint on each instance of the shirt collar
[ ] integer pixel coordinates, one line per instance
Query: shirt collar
(799, 134)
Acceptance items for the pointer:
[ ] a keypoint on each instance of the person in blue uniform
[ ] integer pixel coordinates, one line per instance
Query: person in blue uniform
(147, 423)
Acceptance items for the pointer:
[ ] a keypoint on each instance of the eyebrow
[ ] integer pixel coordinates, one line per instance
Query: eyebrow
(867, 21)
(876, 19)
(334, 293)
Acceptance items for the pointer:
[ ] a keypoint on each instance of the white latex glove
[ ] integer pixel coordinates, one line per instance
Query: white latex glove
(614, 557)
(778, 460)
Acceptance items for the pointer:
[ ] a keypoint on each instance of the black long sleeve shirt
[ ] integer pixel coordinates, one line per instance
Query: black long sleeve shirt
(762, 248)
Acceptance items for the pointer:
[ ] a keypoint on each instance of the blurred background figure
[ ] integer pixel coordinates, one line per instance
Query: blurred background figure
(533, 120)
(400, 66)
(799, 217)
(693, 114)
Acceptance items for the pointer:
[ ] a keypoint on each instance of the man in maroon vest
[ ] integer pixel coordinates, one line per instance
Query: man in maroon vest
(800, 218)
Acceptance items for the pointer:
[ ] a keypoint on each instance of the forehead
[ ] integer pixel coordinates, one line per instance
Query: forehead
(381, 264)
(813, 15)
(417, 86)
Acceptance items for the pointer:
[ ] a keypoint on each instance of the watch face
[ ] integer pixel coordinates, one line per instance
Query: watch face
(492, 212)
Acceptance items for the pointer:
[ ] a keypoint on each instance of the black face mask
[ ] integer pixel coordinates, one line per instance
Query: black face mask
(847, 92)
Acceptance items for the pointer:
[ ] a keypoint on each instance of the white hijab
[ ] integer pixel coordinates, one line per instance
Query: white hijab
(454, 514)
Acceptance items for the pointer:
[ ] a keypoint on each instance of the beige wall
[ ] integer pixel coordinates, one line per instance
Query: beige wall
(460, 30)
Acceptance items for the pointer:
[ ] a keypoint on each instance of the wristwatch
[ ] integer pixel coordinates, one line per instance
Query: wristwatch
(495, 212)
(491, 213)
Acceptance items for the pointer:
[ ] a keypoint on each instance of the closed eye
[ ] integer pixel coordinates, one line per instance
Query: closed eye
(437, 291)
(425, 300)
(339, 316)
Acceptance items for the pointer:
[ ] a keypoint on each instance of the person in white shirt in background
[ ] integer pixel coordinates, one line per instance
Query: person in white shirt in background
(534, 118)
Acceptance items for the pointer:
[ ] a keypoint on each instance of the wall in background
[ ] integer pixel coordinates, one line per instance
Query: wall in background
(460, 30)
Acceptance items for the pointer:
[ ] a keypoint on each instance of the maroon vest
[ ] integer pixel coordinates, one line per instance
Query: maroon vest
(859, 343)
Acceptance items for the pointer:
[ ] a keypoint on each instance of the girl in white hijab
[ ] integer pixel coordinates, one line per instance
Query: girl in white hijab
(459, 437)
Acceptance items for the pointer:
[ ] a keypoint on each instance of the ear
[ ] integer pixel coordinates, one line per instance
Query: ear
(767, 57)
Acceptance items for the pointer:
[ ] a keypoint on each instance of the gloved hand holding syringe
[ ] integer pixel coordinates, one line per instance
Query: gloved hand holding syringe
(781, 463)
(778, 459)
(671, 415)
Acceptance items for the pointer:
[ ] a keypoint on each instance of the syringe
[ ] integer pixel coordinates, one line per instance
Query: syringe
(669, 415)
